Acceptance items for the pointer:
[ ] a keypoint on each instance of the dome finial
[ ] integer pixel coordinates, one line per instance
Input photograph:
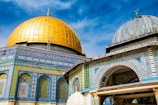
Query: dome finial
(48, 12)
(136, 13)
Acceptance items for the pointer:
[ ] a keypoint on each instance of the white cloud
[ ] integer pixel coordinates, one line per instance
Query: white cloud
(81, 24)
(97, 43)
(90, 25)
(28, 5)
(91, 37)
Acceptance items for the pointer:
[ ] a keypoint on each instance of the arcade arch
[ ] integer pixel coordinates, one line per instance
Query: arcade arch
(116, 86)
(118, 75)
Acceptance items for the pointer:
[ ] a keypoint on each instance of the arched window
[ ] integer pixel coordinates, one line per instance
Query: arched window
(43, 88)
(62, 91)
(3, 79)
(76, 82)
(23, 86)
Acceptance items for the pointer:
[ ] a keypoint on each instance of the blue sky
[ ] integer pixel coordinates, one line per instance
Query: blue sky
(94, 21)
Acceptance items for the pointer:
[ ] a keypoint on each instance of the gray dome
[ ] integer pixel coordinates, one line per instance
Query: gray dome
(135, 28)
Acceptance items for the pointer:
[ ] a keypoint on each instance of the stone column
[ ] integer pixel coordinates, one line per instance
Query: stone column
(96, 100)
(155, 90)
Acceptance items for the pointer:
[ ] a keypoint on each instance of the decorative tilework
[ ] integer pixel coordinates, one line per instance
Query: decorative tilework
(138, 59)
(7, 69)
(43, 87)
(54, 79)
(114, 67)
(23, 90)
(135, 61)
(73, 75)
(7, 51)
(22, 68)
(39, 61)
(94, 74)
(33, 92)
(62, 90)
(3, 80)
(23, 85)
(98, 69)
(152, 62)
(86, 76)
(155, 54)
(43, 63)
(61, 57)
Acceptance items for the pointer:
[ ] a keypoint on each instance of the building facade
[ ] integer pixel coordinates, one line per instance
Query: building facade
(128, 73)
(43, 62)
(37, 53)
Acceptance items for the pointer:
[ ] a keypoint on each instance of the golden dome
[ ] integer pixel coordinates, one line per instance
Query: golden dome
(44, 29)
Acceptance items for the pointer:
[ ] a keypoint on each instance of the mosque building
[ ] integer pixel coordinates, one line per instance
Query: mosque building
(127, 74)
(32, 64)
(43, 64)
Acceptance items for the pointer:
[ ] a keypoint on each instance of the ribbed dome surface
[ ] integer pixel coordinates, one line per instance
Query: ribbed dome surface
(135, 28)
(43, 29)
(76, 99)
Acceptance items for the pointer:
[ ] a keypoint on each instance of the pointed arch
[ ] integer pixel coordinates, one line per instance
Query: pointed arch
(113, 68)
(43, 87)
(75, 83)
(3, 81)
(23, 85)
(62, 93)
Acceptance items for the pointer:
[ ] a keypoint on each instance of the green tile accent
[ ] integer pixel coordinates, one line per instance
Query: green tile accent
(86, 74)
